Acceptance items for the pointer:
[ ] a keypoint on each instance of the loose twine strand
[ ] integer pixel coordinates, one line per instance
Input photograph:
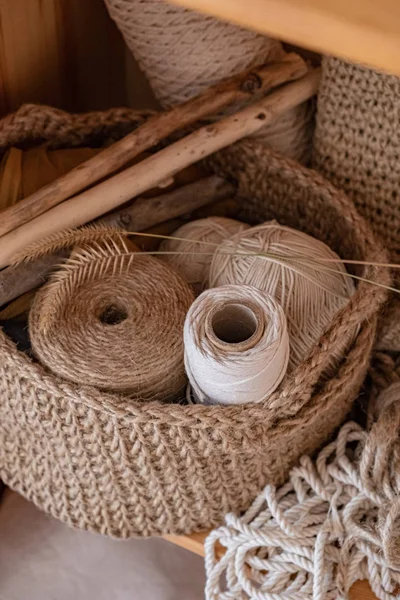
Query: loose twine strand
(94, 233)
(336, 521)
(249, 365)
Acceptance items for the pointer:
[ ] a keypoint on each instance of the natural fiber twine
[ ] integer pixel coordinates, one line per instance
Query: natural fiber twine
(183, 52)
(356, 147)
(236, 345)
(194, 258)
(113, 321)
(308, 290)
(107, 464)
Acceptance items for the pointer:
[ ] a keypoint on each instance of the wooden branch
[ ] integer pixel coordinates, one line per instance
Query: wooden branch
(15, 281)
(158, 127)
(151, 171)
(143, 214)
(146, 212)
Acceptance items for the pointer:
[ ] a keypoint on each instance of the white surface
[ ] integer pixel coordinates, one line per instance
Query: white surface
(42, 559)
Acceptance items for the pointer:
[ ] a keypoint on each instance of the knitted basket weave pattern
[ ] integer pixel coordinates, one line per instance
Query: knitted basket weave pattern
(103, 463)
(357, 142)
(357, 147)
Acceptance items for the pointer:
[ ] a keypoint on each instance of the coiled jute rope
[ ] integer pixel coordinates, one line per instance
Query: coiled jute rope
(114, 320)
(292, 270)
(236, 345)
(191, 254)
(336, 521)
(183, 52)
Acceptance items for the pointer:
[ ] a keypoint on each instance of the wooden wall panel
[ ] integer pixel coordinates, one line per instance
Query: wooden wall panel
(67, 53)
(93, 55)
(30, 58)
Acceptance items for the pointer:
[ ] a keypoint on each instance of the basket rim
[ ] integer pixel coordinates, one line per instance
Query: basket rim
(50, 122)
(123, 407)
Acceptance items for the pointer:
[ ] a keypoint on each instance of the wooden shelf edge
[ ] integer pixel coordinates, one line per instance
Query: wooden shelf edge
(365, 31)
(194, 542)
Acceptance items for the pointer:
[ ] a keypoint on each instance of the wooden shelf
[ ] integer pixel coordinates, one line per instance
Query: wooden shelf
(195, 543)
(363, 31)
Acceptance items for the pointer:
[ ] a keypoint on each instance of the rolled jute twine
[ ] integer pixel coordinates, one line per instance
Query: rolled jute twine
(236, 345)
(114, 320)
(182, 53)
(335, 521)
(302, 273)
(190, 248)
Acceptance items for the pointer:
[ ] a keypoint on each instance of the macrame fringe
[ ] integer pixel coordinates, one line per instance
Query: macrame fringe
(336, 521)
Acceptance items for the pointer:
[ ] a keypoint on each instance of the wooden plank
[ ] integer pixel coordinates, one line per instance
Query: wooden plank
(365, 31)
(195, 543)
(362, 591)
(65, 53)
(93, 53)
(30, 59)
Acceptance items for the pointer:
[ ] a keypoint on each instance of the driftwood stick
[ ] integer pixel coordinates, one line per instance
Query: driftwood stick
(151, 171)
(15, 281)
(146, 212)
(143, 214)
(155, 129)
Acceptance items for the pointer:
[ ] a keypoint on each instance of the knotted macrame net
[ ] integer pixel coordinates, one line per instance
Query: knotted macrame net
(335, 521)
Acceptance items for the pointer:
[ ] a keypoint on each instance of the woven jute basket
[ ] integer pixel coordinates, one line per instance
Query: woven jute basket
(106, 464)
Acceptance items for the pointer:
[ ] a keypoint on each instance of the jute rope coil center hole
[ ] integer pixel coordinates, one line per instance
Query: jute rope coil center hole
(113, 314)
(235, 324)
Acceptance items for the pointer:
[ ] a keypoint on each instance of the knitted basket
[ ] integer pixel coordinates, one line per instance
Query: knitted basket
(356, 147)
(106, 464)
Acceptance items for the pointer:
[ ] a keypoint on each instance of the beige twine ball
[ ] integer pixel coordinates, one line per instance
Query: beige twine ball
(296, 276)
(199, 240)
(116, 324)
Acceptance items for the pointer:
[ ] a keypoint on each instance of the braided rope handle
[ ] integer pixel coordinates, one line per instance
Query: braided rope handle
(33, 123)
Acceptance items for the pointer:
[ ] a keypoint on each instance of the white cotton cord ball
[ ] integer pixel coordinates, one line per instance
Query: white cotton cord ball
(192, 254)
(311, 290)
(236, 345)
